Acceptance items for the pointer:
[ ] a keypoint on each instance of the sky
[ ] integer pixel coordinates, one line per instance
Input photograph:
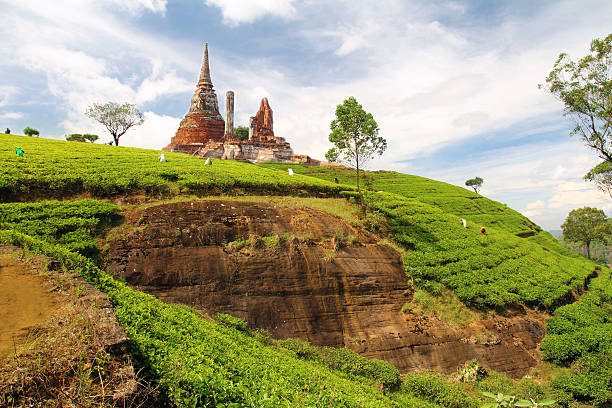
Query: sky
(453, 85)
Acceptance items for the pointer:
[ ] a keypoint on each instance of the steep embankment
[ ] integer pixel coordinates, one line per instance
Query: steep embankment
(60, 344)
(195, 360)
(299, 272)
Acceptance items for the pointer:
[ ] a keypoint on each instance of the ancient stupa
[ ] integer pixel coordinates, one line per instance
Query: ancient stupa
(204, 133)
(203, 123)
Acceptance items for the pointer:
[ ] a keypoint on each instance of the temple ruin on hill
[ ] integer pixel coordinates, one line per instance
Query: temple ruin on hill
(204, 133)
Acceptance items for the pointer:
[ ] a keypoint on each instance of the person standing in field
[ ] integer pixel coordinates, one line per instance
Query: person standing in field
(19, 151)
(7, 131)
(162, 158)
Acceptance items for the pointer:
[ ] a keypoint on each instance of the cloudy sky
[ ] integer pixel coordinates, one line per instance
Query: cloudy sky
(452, 84)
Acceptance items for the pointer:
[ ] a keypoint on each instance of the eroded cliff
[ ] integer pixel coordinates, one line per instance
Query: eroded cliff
(312, 276)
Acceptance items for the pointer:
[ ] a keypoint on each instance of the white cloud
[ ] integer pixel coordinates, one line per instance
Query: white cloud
(154, 133)
(536, 204)
(11, 115)
(138, 6)
(236, 12)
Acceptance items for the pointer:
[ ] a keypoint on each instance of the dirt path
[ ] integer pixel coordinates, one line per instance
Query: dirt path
(25, 302)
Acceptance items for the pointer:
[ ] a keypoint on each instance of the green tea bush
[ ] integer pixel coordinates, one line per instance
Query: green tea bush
(53, 168)
(346, 361)
(231, 321)
(580, 336)
(73, 224)
(437, 390)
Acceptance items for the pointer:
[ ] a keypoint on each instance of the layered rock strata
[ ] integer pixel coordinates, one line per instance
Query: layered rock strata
(311, 286)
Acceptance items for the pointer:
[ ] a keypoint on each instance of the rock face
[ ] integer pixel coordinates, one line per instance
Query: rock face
(262, 123)
(311, 286)
(202, 123)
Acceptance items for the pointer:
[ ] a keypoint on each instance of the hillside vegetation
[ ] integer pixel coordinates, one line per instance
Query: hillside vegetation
(198, 362)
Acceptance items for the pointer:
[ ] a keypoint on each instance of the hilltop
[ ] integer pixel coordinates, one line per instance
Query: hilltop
(461, 282)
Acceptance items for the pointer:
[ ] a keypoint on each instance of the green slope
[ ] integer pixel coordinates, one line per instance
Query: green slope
(514, 263)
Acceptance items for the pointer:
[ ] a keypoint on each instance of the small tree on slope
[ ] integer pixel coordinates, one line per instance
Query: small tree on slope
(475, 183)
(355, 136)
(117, 119)
(585, 225)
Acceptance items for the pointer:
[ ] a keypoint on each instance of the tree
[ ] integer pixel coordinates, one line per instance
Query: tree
(585, 225)
(241, 133)
(585, 88)
(30, 131)
(117, 119)
(601, 175)
(355, 137)
(76, 137)
(475, 183)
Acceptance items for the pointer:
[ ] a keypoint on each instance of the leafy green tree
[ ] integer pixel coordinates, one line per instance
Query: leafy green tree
(117, 119)
(585, 88)
(475, 183)
(76, 137)
(241, 133)
(601, 175)
(585, 225)
(355, 136)
(31, 131)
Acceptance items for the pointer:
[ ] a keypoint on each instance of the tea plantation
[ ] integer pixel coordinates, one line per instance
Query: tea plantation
(199, 362)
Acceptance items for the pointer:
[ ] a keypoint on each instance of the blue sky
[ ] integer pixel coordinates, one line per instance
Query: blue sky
(452, 84)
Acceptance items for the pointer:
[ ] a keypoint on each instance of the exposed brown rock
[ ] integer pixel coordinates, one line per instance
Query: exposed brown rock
(350, 297)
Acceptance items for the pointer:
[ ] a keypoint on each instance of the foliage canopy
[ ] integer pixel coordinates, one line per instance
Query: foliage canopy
(76, 137)
(354, 135)
(585, 88)
(241, 133)
(28, 131)
(585, 225)
(475, 183)
(117, 119)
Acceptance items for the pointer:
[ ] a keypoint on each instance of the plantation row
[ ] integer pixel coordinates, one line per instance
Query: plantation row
(72, 224)
(464, 203)
(580, 335)
(52, 168)
(492, 270)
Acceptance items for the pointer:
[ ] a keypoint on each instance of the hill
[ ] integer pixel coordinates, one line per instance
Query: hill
(196, 361)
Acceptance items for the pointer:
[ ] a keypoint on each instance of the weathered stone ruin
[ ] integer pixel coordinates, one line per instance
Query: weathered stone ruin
(202, 123)
(204, 133)
(262, 123)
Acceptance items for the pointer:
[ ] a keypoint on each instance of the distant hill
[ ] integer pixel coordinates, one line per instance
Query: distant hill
(556, 233)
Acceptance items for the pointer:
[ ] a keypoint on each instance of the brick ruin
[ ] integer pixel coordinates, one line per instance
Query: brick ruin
(204, 133)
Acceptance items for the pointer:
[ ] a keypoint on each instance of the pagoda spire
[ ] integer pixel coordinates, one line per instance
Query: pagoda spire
(205, 80)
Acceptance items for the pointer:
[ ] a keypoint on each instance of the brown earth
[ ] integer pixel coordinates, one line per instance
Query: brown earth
(61, 345)
(330, 283)
(25, 302)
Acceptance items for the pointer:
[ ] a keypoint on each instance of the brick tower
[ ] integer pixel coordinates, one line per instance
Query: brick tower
(202, 123)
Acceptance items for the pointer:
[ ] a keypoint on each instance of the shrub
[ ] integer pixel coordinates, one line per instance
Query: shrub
(437, 390)
(231, 321)
(28, 131)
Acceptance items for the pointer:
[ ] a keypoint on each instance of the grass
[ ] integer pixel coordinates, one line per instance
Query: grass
(446, 306)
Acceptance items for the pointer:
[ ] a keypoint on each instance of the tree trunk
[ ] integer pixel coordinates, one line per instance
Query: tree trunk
(588, 248)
